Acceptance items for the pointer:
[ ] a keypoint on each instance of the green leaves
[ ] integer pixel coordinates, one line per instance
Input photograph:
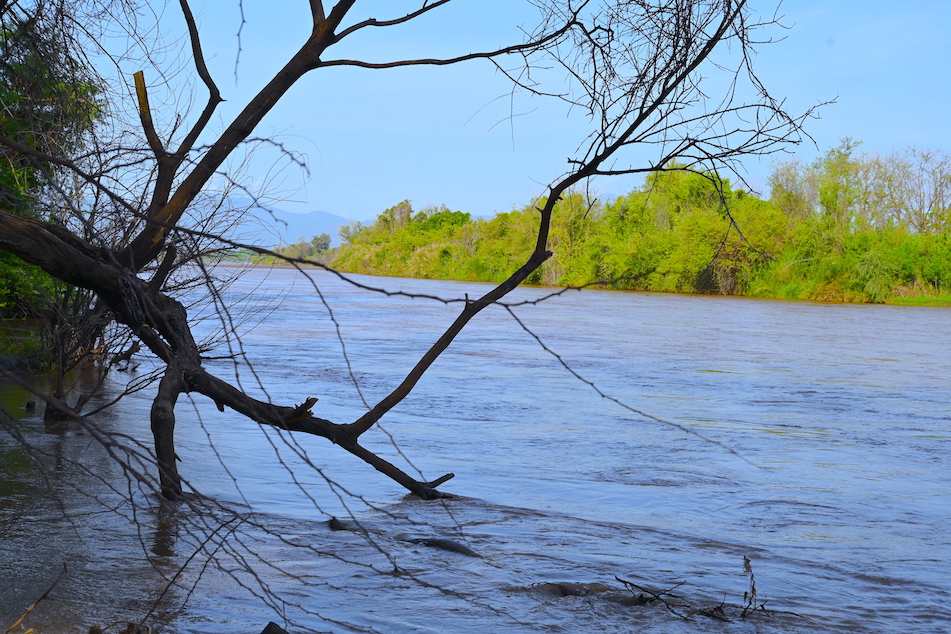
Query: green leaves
(679, 232)
(47, 103)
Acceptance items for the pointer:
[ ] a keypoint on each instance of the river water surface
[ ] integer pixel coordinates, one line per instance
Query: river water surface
(811, 440)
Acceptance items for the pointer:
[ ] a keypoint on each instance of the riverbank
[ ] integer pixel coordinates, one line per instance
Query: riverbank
(681, 232)
(940, 302)
(906, 297)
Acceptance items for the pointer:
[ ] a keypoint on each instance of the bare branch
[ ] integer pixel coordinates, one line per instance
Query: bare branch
(150, 241)
(532, 45)
(214, 95)
(401, 20)
(145, 115)
(366, 421)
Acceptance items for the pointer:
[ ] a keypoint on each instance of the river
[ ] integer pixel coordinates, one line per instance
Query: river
(812, 441)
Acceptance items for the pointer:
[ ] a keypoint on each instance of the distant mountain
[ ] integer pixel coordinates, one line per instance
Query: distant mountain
(280, 228)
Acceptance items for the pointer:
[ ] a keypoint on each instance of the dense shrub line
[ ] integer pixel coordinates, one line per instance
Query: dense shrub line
(828, 232)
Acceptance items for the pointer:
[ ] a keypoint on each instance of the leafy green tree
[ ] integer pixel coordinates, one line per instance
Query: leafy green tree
(349, 233)
(444, 218)
(48, 101)
(320, 243)
(793, 190)
(839, 186)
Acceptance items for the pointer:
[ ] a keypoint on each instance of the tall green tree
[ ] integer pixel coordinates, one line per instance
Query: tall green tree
(838, 174)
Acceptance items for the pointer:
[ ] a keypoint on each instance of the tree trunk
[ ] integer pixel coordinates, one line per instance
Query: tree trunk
(163, 431)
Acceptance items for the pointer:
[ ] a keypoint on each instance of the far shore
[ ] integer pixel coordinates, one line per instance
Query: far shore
(931, 302)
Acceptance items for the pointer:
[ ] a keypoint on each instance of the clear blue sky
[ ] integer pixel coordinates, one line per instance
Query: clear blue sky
(444, 135)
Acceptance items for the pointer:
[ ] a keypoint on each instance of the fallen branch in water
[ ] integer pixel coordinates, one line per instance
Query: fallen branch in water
(653, 596)
(645, 596)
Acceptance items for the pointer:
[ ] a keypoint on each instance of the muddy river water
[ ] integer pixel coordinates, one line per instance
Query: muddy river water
(812, 441)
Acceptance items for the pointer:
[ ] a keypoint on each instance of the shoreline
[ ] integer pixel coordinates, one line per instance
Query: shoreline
(916, 301)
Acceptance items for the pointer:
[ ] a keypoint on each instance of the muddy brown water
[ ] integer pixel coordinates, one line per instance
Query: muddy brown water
(812, 439)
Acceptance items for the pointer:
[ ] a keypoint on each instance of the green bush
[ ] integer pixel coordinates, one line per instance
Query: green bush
(679, 232)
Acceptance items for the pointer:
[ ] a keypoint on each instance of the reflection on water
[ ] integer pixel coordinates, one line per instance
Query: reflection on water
(827, 465)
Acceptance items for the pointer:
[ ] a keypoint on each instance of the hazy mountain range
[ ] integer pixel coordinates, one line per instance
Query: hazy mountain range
(280, 228)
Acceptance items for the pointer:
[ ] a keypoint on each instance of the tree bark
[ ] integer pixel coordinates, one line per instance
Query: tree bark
(163, 431)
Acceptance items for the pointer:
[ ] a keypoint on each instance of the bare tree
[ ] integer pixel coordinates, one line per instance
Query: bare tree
(636, 68)
(910, 188)
(929, 190)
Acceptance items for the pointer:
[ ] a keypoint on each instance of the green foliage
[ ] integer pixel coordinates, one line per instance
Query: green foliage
(838, 184)
(317, 249)
(25, 341)
(679, 232)
(442, 219)
(23, 287)
(401, 242)
(933, 261)
(47, 102)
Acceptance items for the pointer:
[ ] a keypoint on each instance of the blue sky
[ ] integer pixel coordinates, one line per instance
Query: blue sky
(445, 135)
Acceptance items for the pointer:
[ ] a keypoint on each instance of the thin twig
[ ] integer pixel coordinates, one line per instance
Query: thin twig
(37, 602)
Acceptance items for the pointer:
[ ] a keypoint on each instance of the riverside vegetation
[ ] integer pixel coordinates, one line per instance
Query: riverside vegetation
(847, 228)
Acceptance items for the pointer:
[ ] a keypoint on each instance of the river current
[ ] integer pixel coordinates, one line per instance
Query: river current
(681, 447)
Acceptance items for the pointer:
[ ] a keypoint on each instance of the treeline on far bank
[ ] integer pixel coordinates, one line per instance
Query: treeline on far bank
(849, 228)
